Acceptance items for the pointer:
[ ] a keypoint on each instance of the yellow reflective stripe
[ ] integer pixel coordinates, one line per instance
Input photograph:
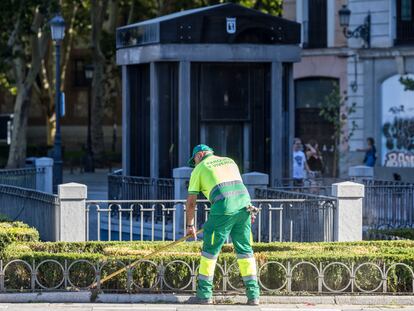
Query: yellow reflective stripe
(212, 239)
(251, 238)
(207, 266)
(247, 266)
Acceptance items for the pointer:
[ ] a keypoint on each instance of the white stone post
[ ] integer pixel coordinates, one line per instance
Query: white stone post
(252, 181)
(255, 180)
(181, 177)
(348, 214)
(360, 172)
(71, 216)
(44, 182)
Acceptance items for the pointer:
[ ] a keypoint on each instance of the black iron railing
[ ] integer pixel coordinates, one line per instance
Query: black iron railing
(388, 204)
(303, 217)
(22, 177)
(37, 209)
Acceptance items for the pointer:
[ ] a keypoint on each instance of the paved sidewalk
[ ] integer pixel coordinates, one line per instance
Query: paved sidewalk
(73, 301)
(178, 307)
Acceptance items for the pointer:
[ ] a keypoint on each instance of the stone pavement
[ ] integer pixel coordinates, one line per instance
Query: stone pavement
(82, 301)
(186, 307)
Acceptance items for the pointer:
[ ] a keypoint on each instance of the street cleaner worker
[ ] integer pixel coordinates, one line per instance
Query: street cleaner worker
(218, 178)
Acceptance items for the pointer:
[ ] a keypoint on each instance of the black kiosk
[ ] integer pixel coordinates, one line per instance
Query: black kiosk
(219, 75)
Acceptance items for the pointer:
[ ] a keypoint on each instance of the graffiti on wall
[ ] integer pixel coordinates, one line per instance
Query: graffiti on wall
(397, 143)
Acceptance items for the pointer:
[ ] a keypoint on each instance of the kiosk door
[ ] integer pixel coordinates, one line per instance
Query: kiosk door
(229, 104)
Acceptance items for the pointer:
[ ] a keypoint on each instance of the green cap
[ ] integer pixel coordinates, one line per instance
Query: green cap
(197, 149)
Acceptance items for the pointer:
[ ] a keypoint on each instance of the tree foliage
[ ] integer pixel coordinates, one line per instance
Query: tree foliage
(335, 109)
(408, 83)
(27, 54)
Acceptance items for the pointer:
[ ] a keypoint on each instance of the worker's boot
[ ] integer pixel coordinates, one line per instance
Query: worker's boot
(253, 302)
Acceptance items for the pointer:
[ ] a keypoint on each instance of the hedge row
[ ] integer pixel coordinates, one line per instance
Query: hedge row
(304, 279)
(11, 232)
(405, 233)
(284, 250)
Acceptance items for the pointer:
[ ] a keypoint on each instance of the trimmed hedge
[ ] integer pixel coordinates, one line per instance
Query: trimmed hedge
(304, 277)
(405, 233)
(396, 250)
(17, 231)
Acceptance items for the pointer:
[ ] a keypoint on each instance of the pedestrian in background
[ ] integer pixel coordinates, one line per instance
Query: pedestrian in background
(314, 159)
(370, 152)
(299, 163)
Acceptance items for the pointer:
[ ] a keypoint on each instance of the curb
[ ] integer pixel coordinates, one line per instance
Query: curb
(85, 297)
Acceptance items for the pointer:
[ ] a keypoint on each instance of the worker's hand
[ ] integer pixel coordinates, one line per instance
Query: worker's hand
(192, 231)
(253, 218)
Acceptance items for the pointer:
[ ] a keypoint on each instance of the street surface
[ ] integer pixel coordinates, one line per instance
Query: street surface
(187, 307)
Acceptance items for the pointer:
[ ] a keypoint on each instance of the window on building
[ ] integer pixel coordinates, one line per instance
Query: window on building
(316, 27)
(405, 22)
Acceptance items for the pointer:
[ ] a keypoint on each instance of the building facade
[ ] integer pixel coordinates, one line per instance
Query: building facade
(367, 75)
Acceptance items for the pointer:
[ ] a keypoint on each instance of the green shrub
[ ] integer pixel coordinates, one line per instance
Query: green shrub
(16, 232)
(111, 256)
(405, 233)
(4, 218)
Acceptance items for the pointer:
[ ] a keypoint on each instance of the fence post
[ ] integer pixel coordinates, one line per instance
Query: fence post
(44, 181)
(181, 176)
(360, 172)
(255, 180)
(252, 181)
(71, 217)
(348, 214)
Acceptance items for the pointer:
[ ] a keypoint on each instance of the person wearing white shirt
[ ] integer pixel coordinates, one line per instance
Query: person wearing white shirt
(299, 163)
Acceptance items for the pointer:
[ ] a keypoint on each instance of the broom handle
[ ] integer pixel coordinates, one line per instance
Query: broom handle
(143, 258)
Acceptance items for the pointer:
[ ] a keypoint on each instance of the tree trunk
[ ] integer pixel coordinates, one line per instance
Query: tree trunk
(98, 11)
(25, 76)
(17, 153)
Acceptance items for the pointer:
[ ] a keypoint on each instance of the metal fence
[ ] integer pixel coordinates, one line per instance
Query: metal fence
(319, 186)
(310, 218)
(37, 209)
(388, 204)
(283, 219)
(139, 188)
(154, 276)
(22, 177)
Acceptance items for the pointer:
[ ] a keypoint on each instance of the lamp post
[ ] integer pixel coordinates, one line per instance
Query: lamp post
(89, 165)
(57, 27)
(362, 31)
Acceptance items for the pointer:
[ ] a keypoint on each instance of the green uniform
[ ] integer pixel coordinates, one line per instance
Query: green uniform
(219, 180)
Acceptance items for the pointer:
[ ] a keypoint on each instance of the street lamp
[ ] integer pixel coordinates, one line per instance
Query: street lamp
(362, 31)
(89, 165)
(57, 27)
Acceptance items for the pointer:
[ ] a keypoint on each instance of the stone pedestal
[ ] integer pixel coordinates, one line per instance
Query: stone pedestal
(44, 173)
(181, 177)
(71, 216)
(255, 180)
(348, 214)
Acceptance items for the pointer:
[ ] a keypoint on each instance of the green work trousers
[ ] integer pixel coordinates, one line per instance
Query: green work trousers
(216, 230)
